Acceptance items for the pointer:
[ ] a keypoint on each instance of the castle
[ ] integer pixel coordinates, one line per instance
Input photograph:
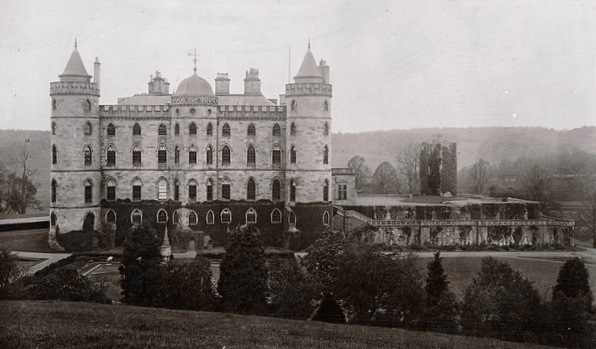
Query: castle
(194, 162)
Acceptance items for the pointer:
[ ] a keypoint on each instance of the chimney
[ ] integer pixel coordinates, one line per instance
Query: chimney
(96, 67)
(324, 71)
(222, 84)
(252, 83)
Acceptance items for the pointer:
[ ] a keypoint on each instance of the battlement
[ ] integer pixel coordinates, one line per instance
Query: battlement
(73, 88)
(308, 89)
(252, 110)
(134, 110)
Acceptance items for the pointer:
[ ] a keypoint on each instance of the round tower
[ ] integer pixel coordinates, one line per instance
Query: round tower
(308, 147)
(75, 152)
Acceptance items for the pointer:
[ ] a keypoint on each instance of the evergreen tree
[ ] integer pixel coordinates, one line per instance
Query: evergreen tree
(436, 281)
(243, 273)
(573, 281)
(290, 289)
(329, 311)
(441, 304)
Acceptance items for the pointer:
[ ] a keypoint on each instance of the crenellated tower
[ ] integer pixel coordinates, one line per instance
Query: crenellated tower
(75, 150)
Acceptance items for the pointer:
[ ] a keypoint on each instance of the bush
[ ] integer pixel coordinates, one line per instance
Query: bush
(9, 274)
(290, 291)
(329, 311)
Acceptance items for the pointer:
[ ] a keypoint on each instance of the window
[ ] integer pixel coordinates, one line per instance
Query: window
(88, 158)
(192, 156)
(162, 216)
(209, 190)
(326, 106)
(192, 218)
(162, 189)
(111, 130)
(326, 129)
(177, 112)
(276, 155)
(209, 129)
(87, 105)
(209, 155)
(54, 154)
(326, 218)
(276, 190)
(292, 218)
(276, 130)
(293, 106)
(88, 192)
(326, 155)
(176, 155)
(293, 129)
(53, 190)
(326, 191)
(226, 216)
(87, 128)
(192, 191)
(52, 219)
(136, 130)
(136, 155)
(111, 190)
(225, 130)
(176, 190)
(111, 155)
(251, 131)
(251, 157)
(111, 216)
(192, 129)
(342, 192)
(225, 191)
(293, 155)
(292, 190)
(162, 155)
(54, 106)
(210, 217)
(225, 155)
(176, 129)
(175, 217)
(136, 189)
(193, 111)
(276, 216)
(251, 189)
(162, 130)
(251, 216)
(54, 128)
(136, 217)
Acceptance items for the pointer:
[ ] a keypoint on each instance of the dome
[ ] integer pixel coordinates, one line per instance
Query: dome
(194, 86)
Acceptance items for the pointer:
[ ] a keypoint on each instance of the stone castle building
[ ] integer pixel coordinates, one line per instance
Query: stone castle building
(195, 162)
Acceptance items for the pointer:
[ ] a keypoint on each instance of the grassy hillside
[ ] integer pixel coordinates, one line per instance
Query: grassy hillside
(50, 324)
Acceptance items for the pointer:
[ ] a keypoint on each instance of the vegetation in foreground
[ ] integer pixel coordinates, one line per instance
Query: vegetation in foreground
(52, 324)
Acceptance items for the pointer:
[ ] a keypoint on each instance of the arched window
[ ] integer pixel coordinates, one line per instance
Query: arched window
(111, 130)
(177, 112)
(326, 106)
(292, 218)
(226, 216)
(176, 190)
(210, 218)
(111, 216)
(111, 190)
(54, 185)
(192, 218)
(87, 129)
(225, 130)
(225, 155)
(293, 129)
(326, 191)
(293, 105)
(251, 131)
(192, 129)
(209, 155)
(193, 111)
(88, 156)
(54, 154)
(87, 105)
(192, 156)
(54, 105)
(276, 190)
(52, 219)
(136, 217)
(326, 129)
(162, 189)
(176, 155)
(326, 218)
(226, 189)
(276, 130)
(251, 157)
(88, 191)
(293, 155)
(209, 190)
(251, 215)
(276, 216)
(209, 129)
(276, 155)
(326, 155)
(251, 189)
(136, 189)
(54, 128)
(292, 190)
(136, 155)
(176, 129)
(175, 217)
(162, 155)
(111, 155)
(162, 130)
(192, 190)
(136, 130)
(162, 216)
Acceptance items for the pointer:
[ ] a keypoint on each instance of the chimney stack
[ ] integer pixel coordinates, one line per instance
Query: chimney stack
(222, 84)
(96, 71)
(252, 83)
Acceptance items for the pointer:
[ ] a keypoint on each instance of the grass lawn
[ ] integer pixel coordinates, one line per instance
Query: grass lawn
(25, 240)
(52, 324)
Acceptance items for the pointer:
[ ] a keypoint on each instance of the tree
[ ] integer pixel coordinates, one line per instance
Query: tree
(21, 190)
(587, 213)
(441, 304)
(480, 176)
(384, 180)
(573, 281)
(290, 291)
(536, 187)
(361, 170)
(9, 272)
(243, 273)
(408, 162)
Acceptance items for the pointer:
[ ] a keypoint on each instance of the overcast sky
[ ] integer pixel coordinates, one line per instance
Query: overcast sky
(394, 64)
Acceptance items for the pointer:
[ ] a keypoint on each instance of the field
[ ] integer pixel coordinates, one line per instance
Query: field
(25, 240)
(51, 324)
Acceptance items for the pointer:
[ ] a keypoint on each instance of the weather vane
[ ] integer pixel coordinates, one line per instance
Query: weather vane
(195, 60)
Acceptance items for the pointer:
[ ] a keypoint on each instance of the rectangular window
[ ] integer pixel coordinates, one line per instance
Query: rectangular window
(176, 192)
(162, 157)
(111, 158)
(136, 157)
(136, 192)
(342, 192)
(209, 193)
(192, 157)
(88, 194)
(111, 193)
(192, 192)
(276, 157)
(225, 191)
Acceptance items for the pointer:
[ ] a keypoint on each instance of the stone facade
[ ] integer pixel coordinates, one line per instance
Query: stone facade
(197, 162)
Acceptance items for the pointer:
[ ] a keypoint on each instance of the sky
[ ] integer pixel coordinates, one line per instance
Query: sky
(394, 64)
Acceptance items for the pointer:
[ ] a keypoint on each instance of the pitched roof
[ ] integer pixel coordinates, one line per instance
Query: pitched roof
(308, 69)
(75, 66)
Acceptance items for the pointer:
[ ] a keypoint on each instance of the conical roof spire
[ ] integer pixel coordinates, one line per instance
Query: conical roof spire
(308, 69)
(75, 69)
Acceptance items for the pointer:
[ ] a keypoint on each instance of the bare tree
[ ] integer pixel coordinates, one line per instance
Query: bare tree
(361, 170)
(20, 191)
(535, 186)
(408, 165)
(480, 176)
(385, 179)
(587, 213)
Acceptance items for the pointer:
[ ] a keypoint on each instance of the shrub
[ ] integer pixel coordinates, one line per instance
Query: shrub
(290, 291)
(329, 311)
(9, 274)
